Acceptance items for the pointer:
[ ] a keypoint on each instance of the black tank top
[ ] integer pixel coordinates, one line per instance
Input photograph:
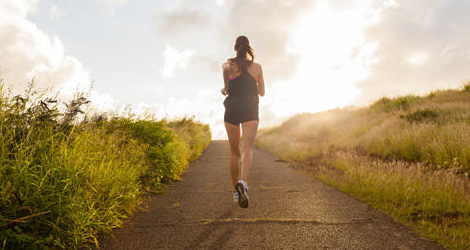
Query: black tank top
(242, 91)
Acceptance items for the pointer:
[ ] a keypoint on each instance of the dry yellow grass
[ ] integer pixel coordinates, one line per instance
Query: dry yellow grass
(408, 156)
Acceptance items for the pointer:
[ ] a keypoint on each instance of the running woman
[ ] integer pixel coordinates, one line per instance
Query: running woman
(243, 82)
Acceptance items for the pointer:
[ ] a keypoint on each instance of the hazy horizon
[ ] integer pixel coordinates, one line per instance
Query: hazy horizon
(164, 57)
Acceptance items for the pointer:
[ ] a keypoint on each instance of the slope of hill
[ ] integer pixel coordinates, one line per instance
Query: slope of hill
(407, 156)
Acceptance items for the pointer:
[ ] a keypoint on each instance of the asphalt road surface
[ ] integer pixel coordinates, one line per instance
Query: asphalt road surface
(287, 210)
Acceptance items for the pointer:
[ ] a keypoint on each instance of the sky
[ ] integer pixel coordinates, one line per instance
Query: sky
(164, 57)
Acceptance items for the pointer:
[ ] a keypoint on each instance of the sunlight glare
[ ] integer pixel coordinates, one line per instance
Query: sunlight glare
(417, 58)
(333, 57)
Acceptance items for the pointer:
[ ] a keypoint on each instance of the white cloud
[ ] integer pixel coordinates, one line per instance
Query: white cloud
(175, 60)
(27, 52)
(55, 13)
(102, 102)
(16, 9)
(421, 46)
(112, 2)
(220, 2)
(417, 58)
(111, 5)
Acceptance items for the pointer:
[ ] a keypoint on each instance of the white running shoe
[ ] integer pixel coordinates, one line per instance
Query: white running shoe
(242, 191)
(236, 197)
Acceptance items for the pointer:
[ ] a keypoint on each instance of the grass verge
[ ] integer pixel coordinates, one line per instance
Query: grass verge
(67, 176)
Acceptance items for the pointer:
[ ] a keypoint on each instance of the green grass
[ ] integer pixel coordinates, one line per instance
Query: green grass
(67, 177)
(407, 156)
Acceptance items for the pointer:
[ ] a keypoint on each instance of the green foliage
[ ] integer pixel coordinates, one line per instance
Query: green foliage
(63, 180)
(157, 140)
(396, 104)
(419, 116)
(198, 136)
(466, 88)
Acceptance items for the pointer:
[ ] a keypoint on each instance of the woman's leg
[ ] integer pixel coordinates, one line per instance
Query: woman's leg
(248, 139)
(233, 133)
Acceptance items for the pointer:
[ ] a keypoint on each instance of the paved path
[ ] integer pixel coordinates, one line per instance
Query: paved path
(288, 210)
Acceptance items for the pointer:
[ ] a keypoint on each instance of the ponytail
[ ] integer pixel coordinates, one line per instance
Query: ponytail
(245, 55)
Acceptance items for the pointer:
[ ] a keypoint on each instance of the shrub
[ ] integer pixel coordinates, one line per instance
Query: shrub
(466, 88)
(63, 180)
(396, 104)
(425, 115)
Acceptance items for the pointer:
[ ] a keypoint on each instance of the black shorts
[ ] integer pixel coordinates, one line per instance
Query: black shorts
(240, 114)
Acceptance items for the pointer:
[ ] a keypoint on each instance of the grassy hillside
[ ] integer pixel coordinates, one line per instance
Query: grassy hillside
(407, 156)
(65, 180)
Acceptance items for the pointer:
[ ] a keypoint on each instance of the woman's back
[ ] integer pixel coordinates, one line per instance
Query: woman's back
(242, 91)
(254, 69)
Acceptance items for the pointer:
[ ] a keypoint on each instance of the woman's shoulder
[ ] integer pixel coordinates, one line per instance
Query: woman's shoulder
(227, 64)
(256, 66)
(230, 65)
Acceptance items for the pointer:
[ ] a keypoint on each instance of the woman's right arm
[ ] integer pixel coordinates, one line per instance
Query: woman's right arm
(225, 68)
(261, 88)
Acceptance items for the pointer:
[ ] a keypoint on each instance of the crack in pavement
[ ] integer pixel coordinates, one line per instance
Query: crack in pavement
(278, 220)
(258, 221)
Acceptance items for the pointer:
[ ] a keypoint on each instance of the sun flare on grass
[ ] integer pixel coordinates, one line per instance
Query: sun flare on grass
(333, 57)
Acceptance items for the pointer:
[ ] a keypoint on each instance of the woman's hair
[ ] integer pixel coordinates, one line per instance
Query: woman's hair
(245, 55)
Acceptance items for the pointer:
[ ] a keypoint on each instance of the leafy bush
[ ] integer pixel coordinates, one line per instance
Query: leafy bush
(64, 180)
(466, 88)
(396, 104)
(424, 115)
(196, 135)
